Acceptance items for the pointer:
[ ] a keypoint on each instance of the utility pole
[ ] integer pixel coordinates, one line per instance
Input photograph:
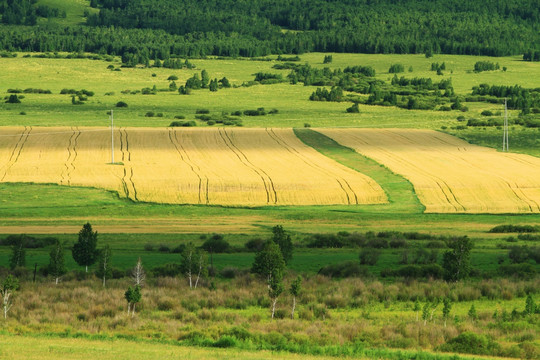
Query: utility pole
(505, 127)
(112, 138)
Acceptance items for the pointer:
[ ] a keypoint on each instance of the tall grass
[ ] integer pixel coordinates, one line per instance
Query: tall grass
(338, 318)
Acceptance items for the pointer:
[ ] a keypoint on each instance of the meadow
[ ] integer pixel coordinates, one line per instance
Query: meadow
(370, 316)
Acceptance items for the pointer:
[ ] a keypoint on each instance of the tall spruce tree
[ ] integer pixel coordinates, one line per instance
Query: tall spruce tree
(84, 250)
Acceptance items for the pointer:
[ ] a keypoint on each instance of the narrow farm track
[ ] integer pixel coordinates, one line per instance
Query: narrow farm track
(343, 184)
(127, 180)
(217, 166)
(16, 152)
(448, 174)
(69, 164)
(227, 140)
(184, 155)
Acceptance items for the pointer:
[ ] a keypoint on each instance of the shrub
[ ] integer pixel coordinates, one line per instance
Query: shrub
(148, 247)
(180, 117)
(396, 68)
(486, 113)
(353, 109)
(225, 342)
(172, 78)
(344, 270)
(255, 245)
(149, 114)
(183, 124)
(216, 244)
(178, 249)
(13, 99)
(523, 271)
(514, 229)
(369, 256)
(229, 272)
(167, 270)
(121, 104)
(471, 343)
(202, 111)
(164, 248)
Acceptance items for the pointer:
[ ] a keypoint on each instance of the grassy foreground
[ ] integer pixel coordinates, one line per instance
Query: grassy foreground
(44, 348)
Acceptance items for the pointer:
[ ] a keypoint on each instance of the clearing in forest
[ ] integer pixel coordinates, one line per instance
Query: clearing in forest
(450, 175)
(237, 167)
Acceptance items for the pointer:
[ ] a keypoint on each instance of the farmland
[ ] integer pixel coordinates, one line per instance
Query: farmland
(483, 180)
(208, 166)
(171, 186)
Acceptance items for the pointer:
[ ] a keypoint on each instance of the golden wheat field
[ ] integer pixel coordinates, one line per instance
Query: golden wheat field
(238, 167)
(448, 174)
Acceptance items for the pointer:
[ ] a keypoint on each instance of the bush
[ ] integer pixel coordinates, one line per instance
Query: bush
(216, 244)
(255, 245)
(167, 270)
(149, 114)
(369, 256)
(183, 123)
(258, 112)
(523, 271)
(471, 343)
(202, 111)
(148, 247)
(344, 270)
(229, 272)
(353, 109)
(13, 99)
(514, 229)
(164, 248)
(121, 104)
(396, 68)
(180, 117)
(434, 271)
(486, 113)
(225, 342)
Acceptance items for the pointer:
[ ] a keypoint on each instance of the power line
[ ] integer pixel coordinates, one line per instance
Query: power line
(505, 127)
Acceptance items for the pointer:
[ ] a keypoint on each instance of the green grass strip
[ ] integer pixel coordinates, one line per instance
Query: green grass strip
(399, 190)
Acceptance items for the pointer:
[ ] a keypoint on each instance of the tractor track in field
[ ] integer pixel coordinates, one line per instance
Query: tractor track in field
(267, 181)
(16, 151)
(444, 187)
(127, 179)
(72, 156)
(184, 155)
(344, 184)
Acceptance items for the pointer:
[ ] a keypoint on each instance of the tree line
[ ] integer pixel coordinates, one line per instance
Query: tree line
(144, 29)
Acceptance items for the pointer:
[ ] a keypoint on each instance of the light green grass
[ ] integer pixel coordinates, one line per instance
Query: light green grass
(74, 11)
(292, 101)
(44, 348)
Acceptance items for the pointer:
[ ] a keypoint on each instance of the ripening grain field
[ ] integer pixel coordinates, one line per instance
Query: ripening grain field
(450, 175)
(236, 167)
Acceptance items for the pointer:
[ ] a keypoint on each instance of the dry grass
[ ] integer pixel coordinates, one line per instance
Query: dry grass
(240, 167)
(450, 175)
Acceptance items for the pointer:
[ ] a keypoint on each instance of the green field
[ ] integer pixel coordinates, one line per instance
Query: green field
(291, 101)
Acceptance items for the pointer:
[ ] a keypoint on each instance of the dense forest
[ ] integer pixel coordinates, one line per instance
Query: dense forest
(148, 29)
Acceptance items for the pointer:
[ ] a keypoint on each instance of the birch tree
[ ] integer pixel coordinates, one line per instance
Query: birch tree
(7, 289)
(133, 296)
(296, 288)
(138, 275)
(57, 266)
(18, 254)
(104, 269)
(270, 265)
